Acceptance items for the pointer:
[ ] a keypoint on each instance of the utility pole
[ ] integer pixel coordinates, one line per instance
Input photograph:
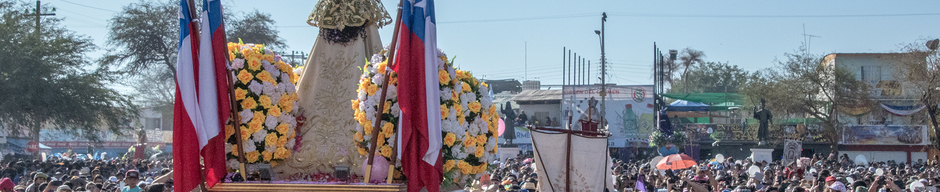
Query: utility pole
(603, 72)
(38, 14)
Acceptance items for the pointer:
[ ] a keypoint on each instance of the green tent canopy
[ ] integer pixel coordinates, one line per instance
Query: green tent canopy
(717, 101)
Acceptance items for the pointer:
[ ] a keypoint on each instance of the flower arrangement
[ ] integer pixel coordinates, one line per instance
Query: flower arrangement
(265, 96)
(658, 139)
(366, 106)
(468, 118)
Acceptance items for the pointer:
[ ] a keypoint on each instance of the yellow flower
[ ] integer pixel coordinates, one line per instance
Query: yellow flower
(293, 77)
(229, 131)
(461, 74)
(386, 151)
(265, 101)
(254, 63)
(269, 58)
(249, 104)
(454, 96)
(460, 118)
(496, 149)
(492, 109)
(367, 126)
(465, 87)
(444, 111)
(355, 104)
(281, 153)
(358, 137)
(267, 155)
(252, 156)
(270, 139)
(362, 151)
(470, 140)
(364, 85)
(387, 106)
(381, 67)
(235, 150)
(449, 139)
(240, 93)
(465, 167)
(244, 76)
(286, 103)
(281, 141)
(275, 111)
(394, 79)
(484, 84)
(245, 133)
(255, 125)
(474, 106)
(479, 152)
(265, 76)
(388, 129)
(443, 77)
(372, 89)
(481, 140)
(448, 165)
(283, 128)
(459, 109)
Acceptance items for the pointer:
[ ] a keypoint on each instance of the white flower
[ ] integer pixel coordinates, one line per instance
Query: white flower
(376, 58)
(452, 72)
(269, 88)
(359, 128)
(249, 146)
(290, 89)
(268, 67)
(268, 52)
(270, 122)
(277, 96)
(259, 136)
(290, 144)
(490, 143)
(362, 95)
(445, 94)
(377, 80)
(299, 72)
(392, 92)
(238, 63)
(255, 87)
(395, 110)
(270, 148)
(455, 150)
(391, 140)
(246, 115)
(228, 147)
(232, 164)
(285, 118)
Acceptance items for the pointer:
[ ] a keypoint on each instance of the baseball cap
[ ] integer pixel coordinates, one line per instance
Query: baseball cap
(42, 175)
(830, 178)
(132, 174)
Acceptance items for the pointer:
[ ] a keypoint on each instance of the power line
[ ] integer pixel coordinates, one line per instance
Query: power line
(523, 18)
(103, 9)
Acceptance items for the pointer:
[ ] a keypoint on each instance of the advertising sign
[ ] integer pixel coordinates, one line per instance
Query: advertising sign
(885, 135)
(629, 111)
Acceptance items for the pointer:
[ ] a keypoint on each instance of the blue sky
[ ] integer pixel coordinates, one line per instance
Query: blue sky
(489, 37)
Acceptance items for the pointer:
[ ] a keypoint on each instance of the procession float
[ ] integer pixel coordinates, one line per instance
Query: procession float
(336, 123)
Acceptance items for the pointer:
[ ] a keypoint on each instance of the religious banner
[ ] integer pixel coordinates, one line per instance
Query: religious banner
(885, 135)
(791, 150)
(629, 110)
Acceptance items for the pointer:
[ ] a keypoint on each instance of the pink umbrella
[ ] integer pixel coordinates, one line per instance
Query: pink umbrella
(502, 126)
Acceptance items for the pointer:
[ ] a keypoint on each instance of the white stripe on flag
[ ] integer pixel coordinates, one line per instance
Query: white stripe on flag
(185, 79)
(433, 92)
(208, 99)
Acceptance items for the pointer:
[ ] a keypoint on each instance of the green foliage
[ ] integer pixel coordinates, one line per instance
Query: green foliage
(805, 85)
(255, 27)
(48, 82)
(144, 38)
(712, 77)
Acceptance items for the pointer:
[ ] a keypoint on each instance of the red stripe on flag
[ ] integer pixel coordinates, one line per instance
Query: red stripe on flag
(214, 152)
(186, 168)
(413, 99)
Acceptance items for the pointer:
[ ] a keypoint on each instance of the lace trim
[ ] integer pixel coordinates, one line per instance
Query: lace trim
(339, 14)
(344, 36)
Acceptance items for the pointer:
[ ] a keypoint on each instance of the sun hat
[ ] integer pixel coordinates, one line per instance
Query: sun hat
(830, 178)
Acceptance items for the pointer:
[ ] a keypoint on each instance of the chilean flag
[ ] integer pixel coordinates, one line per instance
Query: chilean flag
(419, 96)
(202, 102)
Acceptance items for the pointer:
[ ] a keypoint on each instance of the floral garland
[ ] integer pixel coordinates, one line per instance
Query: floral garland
(266, 97)
(469, 120)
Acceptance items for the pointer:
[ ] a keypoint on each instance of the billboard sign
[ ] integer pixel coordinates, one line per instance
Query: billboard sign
(885, 135)
(629, 111)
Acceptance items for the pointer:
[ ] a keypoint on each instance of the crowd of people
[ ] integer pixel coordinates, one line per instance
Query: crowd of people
(817, 174)
(26, 174)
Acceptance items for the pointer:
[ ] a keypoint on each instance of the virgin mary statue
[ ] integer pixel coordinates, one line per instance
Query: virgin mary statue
(348, 36)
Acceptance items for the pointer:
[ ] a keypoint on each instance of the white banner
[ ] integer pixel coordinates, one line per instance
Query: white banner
(630, 114)
(589, 162)
(792, 150)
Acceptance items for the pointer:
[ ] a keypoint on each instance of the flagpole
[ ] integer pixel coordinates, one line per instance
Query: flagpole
(378, 113)
(237, 119)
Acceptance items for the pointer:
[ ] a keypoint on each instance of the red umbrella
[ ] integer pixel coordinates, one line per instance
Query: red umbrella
(676, 161)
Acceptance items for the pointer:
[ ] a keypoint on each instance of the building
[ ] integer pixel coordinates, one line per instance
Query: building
(894, 126)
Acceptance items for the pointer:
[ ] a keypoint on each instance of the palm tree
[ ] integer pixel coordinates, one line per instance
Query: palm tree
(689, 58)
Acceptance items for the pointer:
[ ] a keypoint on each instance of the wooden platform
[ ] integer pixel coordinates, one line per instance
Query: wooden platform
(304, 187)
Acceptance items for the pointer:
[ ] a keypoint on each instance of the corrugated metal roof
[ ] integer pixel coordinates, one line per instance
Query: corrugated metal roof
(538, 95)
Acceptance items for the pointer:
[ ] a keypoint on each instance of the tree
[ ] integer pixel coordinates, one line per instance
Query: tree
(688, 59)
(920, 70)
(255, 27)
(144, 37)
(48, 81)
(712, 77)
(807, 85)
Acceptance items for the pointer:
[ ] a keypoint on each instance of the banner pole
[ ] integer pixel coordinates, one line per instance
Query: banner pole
(378, 114)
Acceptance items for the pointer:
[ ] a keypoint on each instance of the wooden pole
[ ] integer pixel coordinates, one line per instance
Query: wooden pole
(391, 164)
(378, 114)
(568, 164)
